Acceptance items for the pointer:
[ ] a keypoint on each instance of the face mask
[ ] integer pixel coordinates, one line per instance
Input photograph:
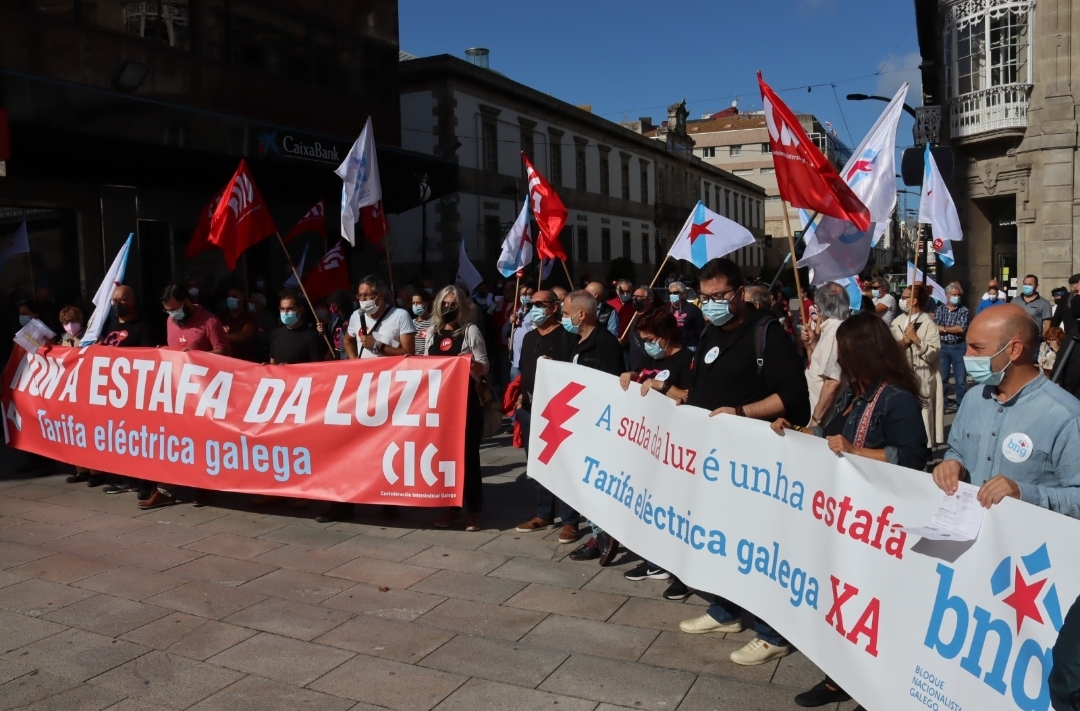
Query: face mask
(121, 310)
(289, 318)
(24, 319)
(449, 315)
(639, 304)
(418, 309)
(369, 307)
(980, 370)
(400, 304)
(992, 297)
(653, 349)
(178, 315)
(526, 301)
(624, 297)
(1027, 289)
(427, 290)
(905, 305)
(538, 315)
(322, 314)
(193, 291)
(73, 328)
(954, 300)
(674, 298)
(876, 293)
(233, 303)
(568, 324)
(251, 307)
(718, 312)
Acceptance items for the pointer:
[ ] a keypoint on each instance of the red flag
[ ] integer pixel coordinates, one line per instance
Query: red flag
(313, 221)
(242, 219)
(329, 275)
(375, 225)
(804, 175)
(200, 238)
(549, 212)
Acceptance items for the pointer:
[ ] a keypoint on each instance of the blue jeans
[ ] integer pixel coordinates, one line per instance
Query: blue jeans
(545, 500)
(952, 356)
(723, 610)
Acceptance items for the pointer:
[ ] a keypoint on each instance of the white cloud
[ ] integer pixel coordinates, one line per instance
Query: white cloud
(895, 71)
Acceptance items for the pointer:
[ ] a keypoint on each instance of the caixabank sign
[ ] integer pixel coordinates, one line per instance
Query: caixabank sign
(281, 144)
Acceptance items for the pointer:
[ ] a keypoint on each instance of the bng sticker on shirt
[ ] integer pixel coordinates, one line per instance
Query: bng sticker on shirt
(713, 354)
(1017, 447)
(662, 376)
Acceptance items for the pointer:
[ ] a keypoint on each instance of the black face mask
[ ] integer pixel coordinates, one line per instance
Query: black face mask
(640, 304)
(449, 315)
(121, 310)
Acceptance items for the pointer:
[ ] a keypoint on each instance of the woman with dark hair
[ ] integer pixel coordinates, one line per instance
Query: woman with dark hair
(918, 335)
(421, 313)
(878, 416)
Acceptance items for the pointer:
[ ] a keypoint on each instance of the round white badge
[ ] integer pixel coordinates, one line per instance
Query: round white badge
(1017, 447)
(662, 376)
(713, 354)
(575, 359)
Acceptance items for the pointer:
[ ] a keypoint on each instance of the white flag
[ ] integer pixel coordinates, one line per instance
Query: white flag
(103, 297)
(914, 275)
(706, 235)
(19, 243)
(291, 282)
(359, 174)
(936, 206)
(517, 249)
(466, 272)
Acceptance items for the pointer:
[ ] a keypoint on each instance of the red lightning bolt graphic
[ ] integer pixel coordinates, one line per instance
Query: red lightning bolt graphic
(557, 412)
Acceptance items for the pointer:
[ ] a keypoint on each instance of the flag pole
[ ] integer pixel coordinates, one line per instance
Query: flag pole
(566, 271)
(300, 283)
(390, 269)
(651, 285)
(915, 275)
(798, 279)
(791, 254)
(513, 315)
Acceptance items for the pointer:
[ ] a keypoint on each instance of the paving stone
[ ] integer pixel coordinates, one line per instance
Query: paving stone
(33, 533)
(36, 597)
(10, 506)
(63, 568)
(459, 559)
(242, 525)
(152, 556)
(257, 694)
(163, 632)
(9, 578)
(58, 515)
(796, 671)
(167, 680)
(88, 544)
(297, 585)
(654, 614)
(381, 572)
(510, 662)
(83, 697)
(482, 619)
(109, 524)
(479, 694)
(168, 534)
(384, 682)
(590, 637)
(93, 500)
(530, 570)
(232, 546)
(131, 583)
(378, 547)
(204, 599)
(527, 545)
(9, 521)
(470, 540)
(188, 516)
(136, 704)
(479, 588)
(391, 639)
(31, 492)
(107, 615)
(291, 619)
(564, 601)
(308, 560)
(210, 638)
(357, 525)
(611, 580)
(19, 630)
(392, 604)
(309, 536)
(620, 683)
(711, 693)
(12, 554)
(11, 670)
(703, 654)
(281, 658)
(224, 571)
(29, 688)
(76, 654)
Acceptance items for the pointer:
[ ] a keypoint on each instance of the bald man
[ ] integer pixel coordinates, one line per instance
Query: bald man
(606, 315)
(1018, 434)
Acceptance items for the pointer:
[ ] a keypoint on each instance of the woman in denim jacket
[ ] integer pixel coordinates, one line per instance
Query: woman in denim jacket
(878, 415)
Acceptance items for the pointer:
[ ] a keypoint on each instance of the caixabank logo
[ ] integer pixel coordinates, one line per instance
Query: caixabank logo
(996, 643)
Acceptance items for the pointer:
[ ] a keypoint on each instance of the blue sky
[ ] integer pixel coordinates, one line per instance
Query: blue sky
(630, 59)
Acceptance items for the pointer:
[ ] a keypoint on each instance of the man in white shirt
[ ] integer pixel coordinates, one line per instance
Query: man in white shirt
(377, 328)
(884, 302)
(823, 376)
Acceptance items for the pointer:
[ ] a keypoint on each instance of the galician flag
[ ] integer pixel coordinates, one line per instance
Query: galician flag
(706, 235)
(936, 208)
(19, 243)
(517, 249)
(103, 296)
(359, 174)
(916, 275)
(291, 282)
(466, 272)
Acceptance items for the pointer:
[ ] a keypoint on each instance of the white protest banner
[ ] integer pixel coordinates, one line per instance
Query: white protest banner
(812, 543)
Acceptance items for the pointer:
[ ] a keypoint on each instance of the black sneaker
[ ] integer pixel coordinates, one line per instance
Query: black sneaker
(119, 489)
(589, 550)
(825, 692)
(144, 494)
(646, 571)
(609, 548)
(95, 480)
(677, 590)
(78, 477)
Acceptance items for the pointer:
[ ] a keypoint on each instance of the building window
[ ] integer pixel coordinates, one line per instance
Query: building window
(624, 175)
(527, 145)
(490, 139)
(167, 23)
(768, 171)
(745, 217)
(582, 244)
(716, 197)
(492, 236)
(766, 148)
(727, 203)
(734, 150)
(555, 161)
(644, 185)
(579, 168)
(605, 173)
(626, 248)
(708, 196)
(709, 152)
(743, 171)
(605, 245)
(644, 247)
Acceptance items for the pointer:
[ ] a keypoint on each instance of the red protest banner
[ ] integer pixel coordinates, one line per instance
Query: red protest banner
(373, 431)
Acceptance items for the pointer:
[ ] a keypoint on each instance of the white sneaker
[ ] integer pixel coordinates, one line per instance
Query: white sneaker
(705, 623)
(759, 651)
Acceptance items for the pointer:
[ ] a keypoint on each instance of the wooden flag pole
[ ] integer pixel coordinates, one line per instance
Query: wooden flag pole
(651, 285)
(566, 270)
(300, 283)
(915, 275)
(798, 279)
(513, 316)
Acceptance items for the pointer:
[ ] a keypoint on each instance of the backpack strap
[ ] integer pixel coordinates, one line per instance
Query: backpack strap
(761, 332)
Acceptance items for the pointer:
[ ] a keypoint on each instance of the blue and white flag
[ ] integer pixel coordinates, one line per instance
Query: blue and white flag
(466, 272)
(706, 235)
(936, 208)
(103, 296)
(18, 243)
(359, 174)
(291, 282)
(517, 248)
(916, 275)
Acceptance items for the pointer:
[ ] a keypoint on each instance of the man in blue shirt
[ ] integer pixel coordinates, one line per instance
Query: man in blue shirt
(952, 322)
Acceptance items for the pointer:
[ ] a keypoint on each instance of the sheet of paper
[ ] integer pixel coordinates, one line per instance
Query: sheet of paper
(33, 336)
(958, 517)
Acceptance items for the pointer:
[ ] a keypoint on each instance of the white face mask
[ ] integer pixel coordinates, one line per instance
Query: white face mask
(369, 307)
(905, 305)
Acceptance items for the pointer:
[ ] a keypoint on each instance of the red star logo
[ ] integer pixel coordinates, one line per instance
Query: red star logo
(698, 230)
(1023, 599)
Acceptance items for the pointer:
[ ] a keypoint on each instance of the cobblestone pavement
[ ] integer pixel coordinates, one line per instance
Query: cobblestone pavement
(234, 607)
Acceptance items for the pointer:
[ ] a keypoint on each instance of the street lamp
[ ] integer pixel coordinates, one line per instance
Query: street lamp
(869, 97)
(912, 163)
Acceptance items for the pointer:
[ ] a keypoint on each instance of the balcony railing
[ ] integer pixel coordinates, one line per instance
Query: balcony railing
(989, 110)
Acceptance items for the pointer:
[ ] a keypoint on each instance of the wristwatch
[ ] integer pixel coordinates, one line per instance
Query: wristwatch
(740, 411)
(376, 347)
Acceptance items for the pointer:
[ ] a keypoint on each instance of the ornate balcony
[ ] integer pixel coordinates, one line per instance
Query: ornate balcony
(993, 109)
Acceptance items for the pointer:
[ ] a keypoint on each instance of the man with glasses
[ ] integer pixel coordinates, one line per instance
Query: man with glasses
(747, 366)
(623, 303)
(643, 301)
(378, 329)
(688, 315)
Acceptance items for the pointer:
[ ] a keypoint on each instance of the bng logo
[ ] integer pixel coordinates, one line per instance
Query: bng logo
(996, 650)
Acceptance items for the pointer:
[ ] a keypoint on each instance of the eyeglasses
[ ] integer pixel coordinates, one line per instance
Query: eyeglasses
(367, 297)
(544, 304)
(719, 296)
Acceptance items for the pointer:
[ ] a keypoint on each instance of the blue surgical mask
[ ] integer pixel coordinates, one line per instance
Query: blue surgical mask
(24, 319)
(418, 309)
(178, 315)
(625, 296)
(980, 370)
(233, 303)
(289, 318)
(876, 293)
(674, 298)
(251, 307)
(718, 312)
(526, 301)
(538, 315)
(568, 324)
(1027, 290)
(653, 349)
(954, 300)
